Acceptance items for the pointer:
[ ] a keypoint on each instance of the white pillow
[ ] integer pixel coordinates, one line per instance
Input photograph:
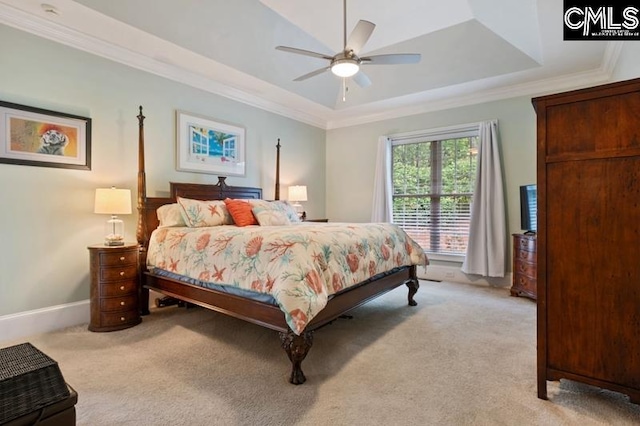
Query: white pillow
(170, 215)
(197, 213)
(269, 214)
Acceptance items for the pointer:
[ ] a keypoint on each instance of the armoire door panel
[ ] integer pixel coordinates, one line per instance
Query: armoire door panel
(593, 268)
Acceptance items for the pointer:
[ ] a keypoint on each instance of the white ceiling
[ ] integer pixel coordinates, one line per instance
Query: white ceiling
(472, 50)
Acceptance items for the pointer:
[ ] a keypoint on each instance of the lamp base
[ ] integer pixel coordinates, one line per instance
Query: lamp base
(113, 243)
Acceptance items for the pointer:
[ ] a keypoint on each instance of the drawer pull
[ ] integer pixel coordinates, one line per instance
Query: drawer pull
(121, 273)
(122, 318)
(121, 287)
(121, 303)
(122, 258)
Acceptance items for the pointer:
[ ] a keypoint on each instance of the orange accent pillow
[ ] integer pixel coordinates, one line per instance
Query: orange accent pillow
(240, 211)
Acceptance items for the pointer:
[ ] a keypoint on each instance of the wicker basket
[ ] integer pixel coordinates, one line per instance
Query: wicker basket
(29, 380)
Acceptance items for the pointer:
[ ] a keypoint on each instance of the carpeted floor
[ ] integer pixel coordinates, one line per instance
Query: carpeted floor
(464, 356)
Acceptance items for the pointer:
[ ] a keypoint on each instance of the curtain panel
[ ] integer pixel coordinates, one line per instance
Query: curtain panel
(486, 250)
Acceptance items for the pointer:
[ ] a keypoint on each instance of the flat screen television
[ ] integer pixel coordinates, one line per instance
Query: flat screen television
(528, 208)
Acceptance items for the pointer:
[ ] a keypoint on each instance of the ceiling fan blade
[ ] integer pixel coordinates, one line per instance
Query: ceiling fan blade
(312, 74)
(392, 59)
(303, 52)
(359, 36)
(362, 79)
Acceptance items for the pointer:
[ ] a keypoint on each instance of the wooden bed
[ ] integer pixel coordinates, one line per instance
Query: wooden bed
(263, 314)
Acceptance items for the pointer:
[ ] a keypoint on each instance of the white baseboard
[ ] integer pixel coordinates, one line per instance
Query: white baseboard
(452, 273)
(24, 324)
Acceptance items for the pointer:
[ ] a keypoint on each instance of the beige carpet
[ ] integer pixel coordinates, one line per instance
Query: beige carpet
(464, 356)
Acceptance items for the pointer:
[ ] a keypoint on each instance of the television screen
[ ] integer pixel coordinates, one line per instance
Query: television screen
(528, 208)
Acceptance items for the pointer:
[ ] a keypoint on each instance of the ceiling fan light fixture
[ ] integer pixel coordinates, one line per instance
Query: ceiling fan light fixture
(345, 67)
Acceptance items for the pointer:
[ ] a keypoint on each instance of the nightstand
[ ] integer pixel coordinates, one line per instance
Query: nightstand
(114, 287)
(316, 220)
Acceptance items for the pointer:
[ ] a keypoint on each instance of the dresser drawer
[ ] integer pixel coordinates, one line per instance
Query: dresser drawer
(524, 283)
(129, 257)
(527, 256)
(527, 244)
(127, 272)
(110, 304)
(119, 288)
(525, 268)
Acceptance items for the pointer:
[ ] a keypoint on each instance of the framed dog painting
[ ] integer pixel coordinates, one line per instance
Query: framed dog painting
(38, 137)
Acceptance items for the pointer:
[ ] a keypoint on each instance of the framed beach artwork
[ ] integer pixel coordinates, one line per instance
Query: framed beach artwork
(208, 146)
(39, 137)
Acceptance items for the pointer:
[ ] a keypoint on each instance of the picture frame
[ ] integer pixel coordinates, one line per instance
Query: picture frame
(204, 145)
(33, 136)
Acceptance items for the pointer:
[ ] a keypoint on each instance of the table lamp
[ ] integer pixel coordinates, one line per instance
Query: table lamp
(113, 201)
(298, 193)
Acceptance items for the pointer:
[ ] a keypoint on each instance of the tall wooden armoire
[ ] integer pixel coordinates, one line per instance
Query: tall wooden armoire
(589, 237)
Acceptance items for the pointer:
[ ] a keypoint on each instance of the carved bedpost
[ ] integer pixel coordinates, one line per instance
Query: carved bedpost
(141, 232)
(297, 348)
(413, 285)
(221, 187)
(277, 193)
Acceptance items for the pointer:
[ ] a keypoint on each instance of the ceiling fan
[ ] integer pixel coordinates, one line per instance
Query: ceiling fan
(347, 63)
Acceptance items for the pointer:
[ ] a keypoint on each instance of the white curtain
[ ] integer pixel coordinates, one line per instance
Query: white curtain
(382, 210)
(486, 250)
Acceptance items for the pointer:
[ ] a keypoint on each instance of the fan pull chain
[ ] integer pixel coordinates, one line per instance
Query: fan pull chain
(344, 89)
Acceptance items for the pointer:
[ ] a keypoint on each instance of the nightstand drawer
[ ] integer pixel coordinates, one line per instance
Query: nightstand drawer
(129, 257)
(115, 319)
(110, 304)
(115, 273)
(119, 288)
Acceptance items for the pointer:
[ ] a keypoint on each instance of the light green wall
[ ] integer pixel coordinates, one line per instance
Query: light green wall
(46, 219)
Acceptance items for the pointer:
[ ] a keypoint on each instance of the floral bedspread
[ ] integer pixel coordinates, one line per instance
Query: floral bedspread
(299, 265)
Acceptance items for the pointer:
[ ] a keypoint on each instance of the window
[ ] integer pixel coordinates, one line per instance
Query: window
(433, 178)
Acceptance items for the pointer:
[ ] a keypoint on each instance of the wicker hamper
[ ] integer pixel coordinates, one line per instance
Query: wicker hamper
(29, 381)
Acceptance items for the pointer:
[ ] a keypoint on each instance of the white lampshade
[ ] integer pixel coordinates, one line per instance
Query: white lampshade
(298, 193)
(113, 201)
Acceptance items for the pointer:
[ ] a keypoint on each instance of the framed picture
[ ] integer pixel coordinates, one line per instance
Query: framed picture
(39, 137)
(208, 146)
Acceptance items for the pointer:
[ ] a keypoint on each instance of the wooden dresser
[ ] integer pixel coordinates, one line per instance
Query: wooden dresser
(114, 287)
(525, 266)
(588, 182)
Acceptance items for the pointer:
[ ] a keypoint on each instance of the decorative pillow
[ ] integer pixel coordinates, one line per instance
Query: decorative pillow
(198, 213)
(289, 210)
(270, 214)
(170, 215)
(240, 212)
